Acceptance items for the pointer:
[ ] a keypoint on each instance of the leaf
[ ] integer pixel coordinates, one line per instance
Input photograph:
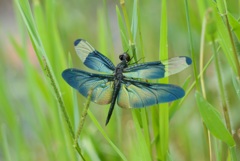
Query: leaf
(235, 25)
(224, 38)
(213, 121)
(134, 25)
(236, 83)
(123, 31)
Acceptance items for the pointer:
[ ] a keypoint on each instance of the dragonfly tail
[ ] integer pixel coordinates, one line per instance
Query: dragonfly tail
(110, 112)
(115, 93)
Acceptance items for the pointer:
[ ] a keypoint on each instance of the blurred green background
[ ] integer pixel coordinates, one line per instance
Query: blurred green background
(31, 123)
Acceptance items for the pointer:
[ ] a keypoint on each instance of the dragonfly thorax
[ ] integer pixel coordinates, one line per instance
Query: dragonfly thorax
(118, 73)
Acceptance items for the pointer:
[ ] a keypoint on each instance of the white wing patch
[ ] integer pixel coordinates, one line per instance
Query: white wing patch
(83, 48)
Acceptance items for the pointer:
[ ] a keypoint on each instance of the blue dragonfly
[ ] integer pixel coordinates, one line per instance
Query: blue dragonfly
(121, 83)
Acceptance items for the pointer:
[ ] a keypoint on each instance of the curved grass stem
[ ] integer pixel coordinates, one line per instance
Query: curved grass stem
(83, 117)
(61, 104)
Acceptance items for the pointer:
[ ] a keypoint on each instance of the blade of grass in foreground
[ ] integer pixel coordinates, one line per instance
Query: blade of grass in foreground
(193, 55)
(225, 35)
(213, 120)
(6, 148)
(144, 117)
(163, 108)
(222, 9)
(123, 31)
(140, 119)
(105, 135)
(25, 10)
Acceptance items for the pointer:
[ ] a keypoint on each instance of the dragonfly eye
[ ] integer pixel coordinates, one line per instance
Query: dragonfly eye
(125, 57)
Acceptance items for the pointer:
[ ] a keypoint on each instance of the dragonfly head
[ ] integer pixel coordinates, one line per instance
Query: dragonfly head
(124, 57)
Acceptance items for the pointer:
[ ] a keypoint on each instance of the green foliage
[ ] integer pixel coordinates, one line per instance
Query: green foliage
(213, 120)
(40, 113)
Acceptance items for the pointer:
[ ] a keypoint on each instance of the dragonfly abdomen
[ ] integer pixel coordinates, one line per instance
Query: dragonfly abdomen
(117, 86)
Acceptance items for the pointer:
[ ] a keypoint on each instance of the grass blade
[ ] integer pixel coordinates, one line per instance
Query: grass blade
(163, 108)
(213, 120)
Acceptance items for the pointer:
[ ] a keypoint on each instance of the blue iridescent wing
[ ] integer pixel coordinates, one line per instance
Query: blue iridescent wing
(92, 58)
(101, 85)
(136, 94)
(156, 70)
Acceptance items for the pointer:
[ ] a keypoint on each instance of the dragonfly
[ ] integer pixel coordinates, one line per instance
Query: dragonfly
(123, 83)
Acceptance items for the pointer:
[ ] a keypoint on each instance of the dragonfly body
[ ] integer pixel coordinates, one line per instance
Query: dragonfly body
(120, 84)
(118, 80)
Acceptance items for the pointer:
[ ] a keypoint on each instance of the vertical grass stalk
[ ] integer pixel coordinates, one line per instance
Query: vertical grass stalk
(222, 5)
(203, 84)
(25, 11)
(83, 117)
(126, 18)
(142, 128)
(125, 15)
(193, 55)
(164, 108)
(95, 121)
(61, 104)
(223, 98)
(221, 87)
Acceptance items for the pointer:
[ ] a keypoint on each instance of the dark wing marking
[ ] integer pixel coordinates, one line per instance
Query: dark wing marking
(156, 70)
(92, 58)
(136, 94)
(101, 85)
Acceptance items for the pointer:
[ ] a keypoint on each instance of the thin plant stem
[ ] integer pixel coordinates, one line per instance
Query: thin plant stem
(222, 5)
(191, 45)
(233, 46)
(105, 135)
(201, 56)
(83, 117)
(61, 104)
(203, 84)
(163, 108)
(221, 87)
(125, 15)
(140, 33)
(131, 43)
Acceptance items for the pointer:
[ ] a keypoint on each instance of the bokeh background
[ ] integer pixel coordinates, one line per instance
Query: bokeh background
(31, 123)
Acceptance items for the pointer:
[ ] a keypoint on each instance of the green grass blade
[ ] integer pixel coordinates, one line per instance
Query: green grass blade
(236, 83)
(235, 25)
(213, 120)
(193, 54)
(6, 148)
(163, 108)
(46, 64)
(127, 22)
(123, 31)
(225, 35)
(134, 25)
(106, 136)
(31, 121)
(144, 146)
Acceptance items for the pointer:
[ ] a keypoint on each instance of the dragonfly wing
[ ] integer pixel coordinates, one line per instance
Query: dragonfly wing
(101, 85)
(136, 94)
(92, 58)
(158, 69)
